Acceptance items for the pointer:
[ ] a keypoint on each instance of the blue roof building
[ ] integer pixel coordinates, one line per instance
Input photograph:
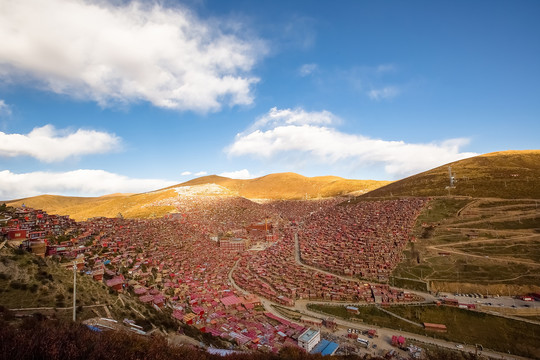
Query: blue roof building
(325, 347)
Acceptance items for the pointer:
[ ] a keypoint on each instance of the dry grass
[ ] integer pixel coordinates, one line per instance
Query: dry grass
(509, 175)
(464, 326)
(275, 186)
(290, 186)
(466, 244)
(27, 281)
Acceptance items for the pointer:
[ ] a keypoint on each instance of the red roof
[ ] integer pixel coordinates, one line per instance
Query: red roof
(146, 298)
(230, 300)
(115, 281)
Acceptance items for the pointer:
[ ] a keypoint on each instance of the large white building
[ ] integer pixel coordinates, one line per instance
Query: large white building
(309, 338)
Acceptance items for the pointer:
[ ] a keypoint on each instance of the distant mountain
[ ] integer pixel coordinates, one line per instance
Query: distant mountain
(81, 208)
(505, 174)
(160, 202)
(289, 186)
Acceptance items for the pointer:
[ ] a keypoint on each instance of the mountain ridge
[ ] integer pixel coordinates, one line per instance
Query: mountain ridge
(501, 174)
(286, 186)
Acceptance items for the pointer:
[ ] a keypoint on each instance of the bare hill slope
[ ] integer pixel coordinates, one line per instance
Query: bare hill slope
(289, 186)
(160, 202)
(506, 174)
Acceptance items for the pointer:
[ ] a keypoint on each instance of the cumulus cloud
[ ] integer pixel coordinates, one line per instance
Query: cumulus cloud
(78, 182)
(122, 52)
(239, 174)
(50, 145)
(326, 144)
(276, 117)
(201, 173)
(307, 69)
(387, 92)
(186, 173)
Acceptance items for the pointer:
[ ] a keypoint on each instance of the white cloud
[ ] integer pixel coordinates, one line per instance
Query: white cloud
(122, 52)
(387, 92)
(5, 109)
(186, 173)
(239, 174)
(276, 117)
(325, 144)
(77, 182)
(307, 69)
(49, 145)
(201, 173)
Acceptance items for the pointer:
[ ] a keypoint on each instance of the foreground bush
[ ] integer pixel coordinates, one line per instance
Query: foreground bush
(39, 338)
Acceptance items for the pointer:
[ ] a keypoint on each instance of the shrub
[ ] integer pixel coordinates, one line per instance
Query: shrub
(18, 285)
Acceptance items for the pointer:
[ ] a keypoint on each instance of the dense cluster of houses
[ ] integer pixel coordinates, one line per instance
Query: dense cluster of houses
(182, 261)
(168, 263)
(274, 274)
(364, 239)
(35, 230)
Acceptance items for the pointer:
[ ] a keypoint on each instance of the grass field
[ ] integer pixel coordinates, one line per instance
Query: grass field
(466, 241)
(507, 174)
(526, 204)
(529, 250)
(367, 315)
(27, 281)
(527, 223)
(464, 326)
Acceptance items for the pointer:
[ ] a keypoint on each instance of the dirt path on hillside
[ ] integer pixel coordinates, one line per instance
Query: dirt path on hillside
(385, 334)
(448, 248)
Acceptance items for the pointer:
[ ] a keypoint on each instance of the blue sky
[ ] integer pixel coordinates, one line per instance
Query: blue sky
(102, 96)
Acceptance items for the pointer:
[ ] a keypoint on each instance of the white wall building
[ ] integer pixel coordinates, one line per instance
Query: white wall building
(309, 338)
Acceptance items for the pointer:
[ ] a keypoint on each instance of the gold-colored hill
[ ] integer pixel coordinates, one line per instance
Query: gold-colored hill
(155, 203)
(289, 186)
(506, 174)
(82, 208)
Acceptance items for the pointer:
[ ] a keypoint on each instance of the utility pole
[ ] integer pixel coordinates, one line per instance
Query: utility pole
(74, 290)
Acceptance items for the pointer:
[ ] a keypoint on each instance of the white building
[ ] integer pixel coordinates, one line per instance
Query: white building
(309, 338)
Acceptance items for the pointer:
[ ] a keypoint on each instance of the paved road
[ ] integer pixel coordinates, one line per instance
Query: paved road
(385, 334)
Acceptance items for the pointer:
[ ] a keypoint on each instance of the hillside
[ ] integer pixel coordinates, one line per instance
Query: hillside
(158, 203)
(289, 186)
(506, 174)
(132, 206)
(46, 286)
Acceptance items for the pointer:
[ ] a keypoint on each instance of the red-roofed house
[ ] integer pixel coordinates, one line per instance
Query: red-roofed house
(116, 283)
(230, 301)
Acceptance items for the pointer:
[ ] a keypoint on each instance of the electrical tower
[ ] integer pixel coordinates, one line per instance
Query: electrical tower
(451, 177)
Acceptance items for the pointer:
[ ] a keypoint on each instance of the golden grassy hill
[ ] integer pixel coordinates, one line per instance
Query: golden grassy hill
(154, 204)
(81, 208)
(289, 186)
(505, 174)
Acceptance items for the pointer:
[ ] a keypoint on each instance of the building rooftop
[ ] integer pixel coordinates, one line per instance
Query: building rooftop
(308, 334)
(325, 347)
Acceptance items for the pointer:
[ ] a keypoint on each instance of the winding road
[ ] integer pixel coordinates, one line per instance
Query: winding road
(385, 334)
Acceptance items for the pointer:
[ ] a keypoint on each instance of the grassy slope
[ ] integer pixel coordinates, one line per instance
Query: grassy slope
(83, 208)
(27, 281)
(508, 174)
(504, 334)
(289, 186)
(274, 186)
(488, 243)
